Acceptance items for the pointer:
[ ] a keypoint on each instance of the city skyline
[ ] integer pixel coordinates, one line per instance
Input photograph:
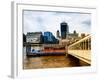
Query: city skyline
(36, 21)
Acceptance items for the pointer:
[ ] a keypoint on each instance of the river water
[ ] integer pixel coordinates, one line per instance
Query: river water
(51, 62)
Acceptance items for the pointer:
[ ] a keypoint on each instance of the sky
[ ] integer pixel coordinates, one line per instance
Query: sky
(36, 21)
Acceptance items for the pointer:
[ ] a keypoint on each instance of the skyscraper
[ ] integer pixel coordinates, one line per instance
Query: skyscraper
(64, 30)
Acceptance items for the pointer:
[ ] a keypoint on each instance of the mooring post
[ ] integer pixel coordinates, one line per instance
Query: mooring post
(66, 49)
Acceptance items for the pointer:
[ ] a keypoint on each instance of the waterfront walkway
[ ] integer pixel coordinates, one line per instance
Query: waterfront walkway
(82, 55)
(81, 49)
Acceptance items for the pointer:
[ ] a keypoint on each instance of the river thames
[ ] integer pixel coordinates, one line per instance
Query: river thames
(51, 62)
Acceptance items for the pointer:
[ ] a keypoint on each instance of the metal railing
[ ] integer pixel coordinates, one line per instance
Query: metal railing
(81, 49)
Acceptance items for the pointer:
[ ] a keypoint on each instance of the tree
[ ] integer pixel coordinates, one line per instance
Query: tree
(24, 37)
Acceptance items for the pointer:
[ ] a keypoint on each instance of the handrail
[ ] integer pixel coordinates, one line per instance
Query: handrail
(81, 40)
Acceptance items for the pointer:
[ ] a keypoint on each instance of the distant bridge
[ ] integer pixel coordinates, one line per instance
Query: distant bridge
(81, 49)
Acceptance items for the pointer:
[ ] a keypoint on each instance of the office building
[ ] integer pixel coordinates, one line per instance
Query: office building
(49, 38)
(64, 30)
(34, 37)
(58, 34)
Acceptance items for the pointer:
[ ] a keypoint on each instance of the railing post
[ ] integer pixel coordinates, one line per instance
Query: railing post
(66, 49)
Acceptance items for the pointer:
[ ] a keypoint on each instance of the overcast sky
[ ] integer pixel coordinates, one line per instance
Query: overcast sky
(35, 21)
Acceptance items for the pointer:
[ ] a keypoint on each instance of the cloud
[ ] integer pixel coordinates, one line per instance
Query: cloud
(88, 22)
(50, 21)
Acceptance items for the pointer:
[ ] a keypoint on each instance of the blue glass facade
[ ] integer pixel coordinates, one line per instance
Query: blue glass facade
(49, 38)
